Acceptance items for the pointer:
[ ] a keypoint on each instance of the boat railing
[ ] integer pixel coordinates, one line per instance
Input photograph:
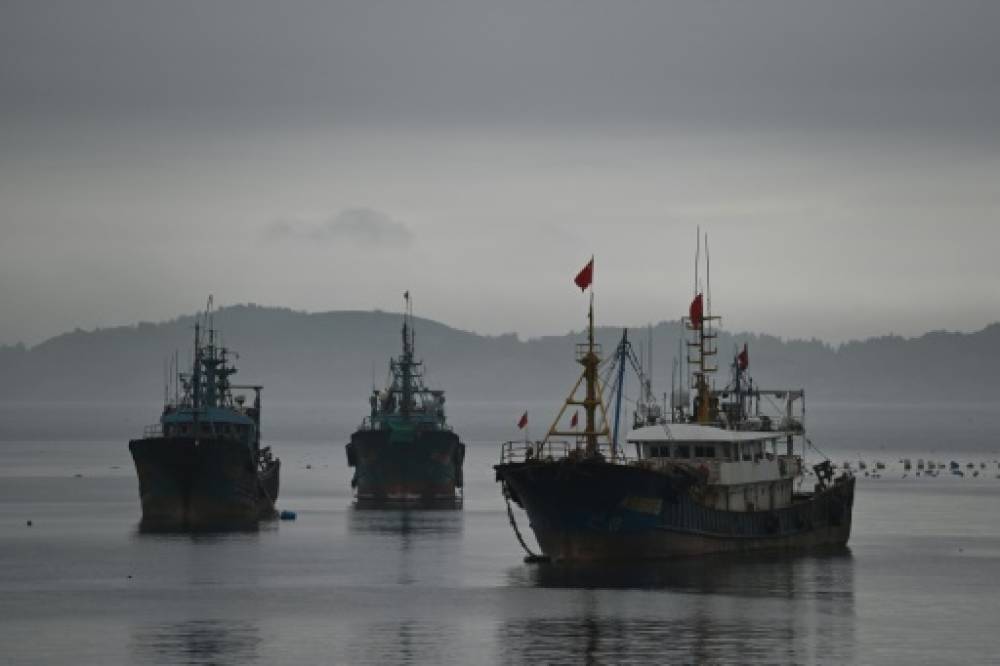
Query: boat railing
(512, 452)
(522, 451)
(153, 430)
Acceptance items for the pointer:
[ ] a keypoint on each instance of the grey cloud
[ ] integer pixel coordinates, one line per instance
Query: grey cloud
(873, 64)
(362, 227)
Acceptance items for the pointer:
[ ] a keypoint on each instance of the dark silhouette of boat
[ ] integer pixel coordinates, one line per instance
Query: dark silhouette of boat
(722, 476)
(405, 452)
(202, 465)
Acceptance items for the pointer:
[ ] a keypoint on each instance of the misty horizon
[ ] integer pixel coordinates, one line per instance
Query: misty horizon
(328, 156)
(580, 329)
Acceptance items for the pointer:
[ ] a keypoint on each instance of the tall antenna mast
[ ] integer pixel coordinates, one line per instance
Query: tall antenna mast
(649, 376)
(708, 279)
(210, 320)
(681, 373)
(697, 257)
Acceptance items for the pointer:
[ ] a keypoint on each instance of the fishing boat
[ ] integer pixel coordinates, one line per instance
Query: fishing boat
(202, 465)
(718, 475)
(404, 451)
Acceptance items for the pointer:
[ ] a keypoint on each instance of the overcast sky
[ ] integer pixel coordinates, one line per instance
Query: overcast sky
(843, 156)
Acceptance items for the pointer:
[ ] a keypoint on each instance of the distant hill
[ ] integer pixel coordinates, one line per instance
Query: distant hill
(317, 357)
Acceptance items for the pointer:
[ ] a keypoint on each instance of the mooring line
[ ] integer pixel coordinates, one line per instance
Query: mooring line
(532, 557)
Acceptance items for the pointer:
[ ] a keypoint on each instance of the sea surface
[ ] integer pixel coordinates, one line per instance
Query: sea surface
(920, 582)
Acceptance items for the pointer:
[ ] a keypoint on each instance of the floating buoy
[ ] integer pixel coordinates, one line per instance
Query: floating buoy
(287, 515)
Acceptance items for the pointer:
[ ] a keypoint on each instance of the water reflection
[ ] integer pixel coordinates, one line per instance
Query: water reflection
(203, 536)
(197, 642)
(403, 641)
(756, 574)
(144, 529)
(416, 546)
(765, 608)
(407, 523)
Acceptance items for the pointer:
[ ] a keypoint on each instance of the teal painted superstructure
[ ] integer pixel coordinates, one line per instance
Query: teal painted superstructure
(405, 450)
(202, 464)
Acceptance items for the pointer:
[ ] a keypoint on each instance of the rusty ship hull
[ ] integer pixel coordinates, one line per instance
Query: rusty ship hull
(415, 468)
(590, 510)
(210, 483)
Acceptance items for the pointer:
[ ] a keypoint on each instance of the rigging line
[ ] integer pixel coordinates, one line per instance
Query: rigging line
(776, 406)
(815, 448)
(532, 557)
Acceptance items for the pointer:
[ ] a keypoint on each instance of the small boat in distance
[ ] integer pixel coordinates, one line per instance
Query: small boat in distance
(404, 451)
(708, 479)
(202, 465)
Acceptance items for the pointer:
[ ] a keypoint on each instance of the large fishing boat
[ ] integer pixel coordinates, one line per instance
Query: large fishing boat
(709, 477)
(405, 451)
(202, 464)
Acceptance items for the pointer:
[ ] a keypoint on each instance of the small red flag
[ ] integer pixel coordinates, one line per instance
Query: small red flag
(744, 358)
(523, 421)
(585, 277)
(572, 424)
(696, 311)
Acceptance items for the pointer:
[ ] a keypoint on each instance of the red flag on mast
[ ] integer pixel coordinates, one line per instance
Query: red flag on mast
(523, 421)
(576, 419)
(697, 312)
(585, 277)
(743, 360)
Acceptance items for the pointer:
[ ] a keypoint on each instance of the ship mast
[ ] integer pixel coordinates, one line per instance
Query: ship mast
(702, 346)
(588, 355)
(407, 360)
(590, 360)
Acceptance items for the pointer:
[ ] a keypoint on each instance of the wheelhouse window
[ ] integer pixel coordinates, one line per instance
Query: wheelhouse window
(659, 451)
(683, 451)
(704, 452)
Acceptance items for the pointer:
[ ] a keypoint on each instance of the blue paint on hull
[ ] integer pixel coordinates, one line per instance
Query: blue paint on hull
(591, 510)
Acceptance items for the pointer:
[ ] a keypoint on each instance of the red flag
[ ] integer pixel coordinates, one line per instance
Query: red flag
(585, 277)
(572, 424)
(743, 360)
(696, 311)
(523, 421)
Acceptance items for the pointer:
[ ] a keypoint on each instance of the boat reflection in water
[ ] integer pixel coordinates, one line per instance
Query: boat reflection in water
(197, 642)
(715, 609)
(406, 522)
(409, 546)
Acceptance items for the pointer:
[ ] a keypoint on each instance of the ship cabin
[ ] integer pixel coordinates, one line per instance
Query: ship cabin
(742, 470)
(210, 422)
(389, 411)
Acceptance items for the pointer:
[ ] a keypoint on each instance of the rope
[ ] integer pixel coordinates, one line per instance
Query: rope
(816, 448)
(532, 557)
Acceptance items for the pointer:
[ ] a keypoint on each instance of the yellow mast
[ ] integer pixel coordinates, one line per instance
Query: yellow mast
(589, 356)
(703, 347)
(706, 409)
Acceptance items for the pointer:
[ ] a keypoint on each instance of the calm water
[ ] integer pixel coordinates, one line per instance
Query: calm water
(920, 582)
